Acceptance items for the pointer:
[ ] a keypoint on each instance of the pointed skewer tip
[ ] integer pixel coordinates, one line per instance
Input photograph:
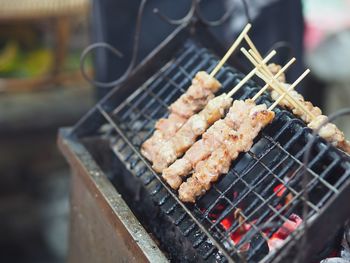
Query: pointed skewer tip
(248, 26)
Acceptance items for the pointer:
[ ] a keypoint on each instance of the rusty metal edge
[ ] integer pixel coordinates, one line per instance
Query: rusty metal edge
(116, 210)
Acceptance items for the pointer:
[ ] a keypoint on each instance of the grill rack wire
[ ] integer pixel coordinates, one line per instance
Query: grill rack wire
(275, 158)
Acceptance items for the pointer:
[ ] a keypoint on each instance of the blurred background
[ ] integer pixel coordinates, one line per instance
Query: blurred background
(41, 88)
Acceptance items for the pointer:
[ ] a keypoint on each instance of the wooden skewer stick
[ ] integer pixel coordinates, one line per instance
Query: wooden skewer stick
(252, 46)
(265, 68)
(276, 85)
(281, 90)
(302, 76)
(257, 56)
(231, 50)
(253, 72)
(296, 103)
(279, 73)
(289, 98)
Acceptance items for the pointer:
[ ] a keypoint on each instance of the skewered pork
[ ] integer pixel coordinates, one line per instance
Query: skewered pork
(274, 69)
(164, 129)
(214, 137)
(218, 163)
(193, 100)
(197, 96)
(329, 132)
(316, 111)
(186, 136)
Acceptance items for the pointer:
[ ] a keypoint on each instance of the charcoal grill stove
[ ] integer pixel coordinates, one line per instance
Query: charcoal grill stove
(104, 150)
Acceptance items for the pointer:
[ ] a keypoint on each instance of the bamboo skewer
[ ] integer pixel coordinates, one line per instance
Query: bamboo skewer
(252, 46)
(279, 73)
(296, 103)
(231, 50)
(273, 82)
(251, 74)
(289, 98)
(302, 76)
(281, 90)
(254, 49)
(276, 85)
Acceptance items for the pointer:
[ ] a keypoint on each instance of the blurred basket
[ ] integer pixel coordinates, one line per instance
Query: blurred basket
(39, 9)
(55, 12)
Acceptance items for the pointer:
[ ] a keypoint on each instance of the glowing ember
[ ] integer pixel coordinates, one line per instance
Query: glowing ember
(277, 239)
(279, 190)
(284, 231)
(237, 235)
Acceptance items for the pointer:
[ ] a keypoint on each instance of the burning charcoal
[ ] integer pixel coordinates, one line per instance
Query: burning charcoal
(275, 243)
(345, 253)
(345, 249)
(284, 231)
(258, 248)
(335, 260)
(289, 226)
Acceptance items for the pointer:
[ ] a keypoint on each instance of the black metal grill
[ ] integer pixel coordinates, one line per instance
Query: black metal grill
(273, 162)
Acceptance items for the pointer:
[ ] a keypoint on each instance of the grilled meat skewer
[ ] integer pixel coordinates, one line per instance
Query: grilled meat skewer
(213, 138)
(202, 148)
(193, 100)
(190, 131)
(316, 111)
(209, 170)
(330, 132)
(176, 146)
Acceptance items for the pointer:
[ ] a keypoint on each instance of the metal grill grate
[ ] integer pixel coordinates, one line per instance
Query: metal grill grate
(259, 181)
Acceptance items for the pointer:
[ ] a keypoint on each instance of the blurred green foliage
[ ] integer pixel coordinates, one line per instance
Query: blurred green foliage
(18, 63)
